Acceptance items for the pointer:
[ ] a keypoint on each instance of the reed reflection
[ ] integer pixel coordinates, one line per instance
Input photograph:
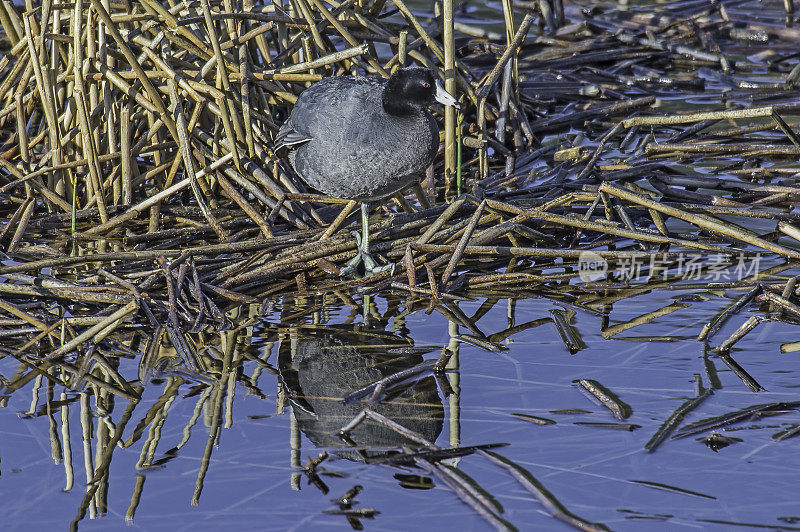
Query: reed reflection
(356, 386)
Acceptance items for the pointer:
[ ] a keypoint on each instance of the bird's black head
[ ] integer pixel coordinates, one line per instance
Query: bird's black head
(410, 89)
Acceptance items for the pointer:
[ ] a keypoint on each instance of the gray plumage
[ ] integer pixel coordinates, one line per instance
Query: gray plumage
(345, 144)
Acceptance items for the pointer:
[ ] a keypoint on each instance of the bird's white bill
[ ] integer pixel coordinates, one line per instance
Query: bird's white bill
(444, 97)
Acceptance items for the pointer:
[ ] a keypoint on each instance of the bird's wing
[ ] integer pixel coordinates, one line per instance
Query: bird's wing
(288, 137)
(324, 106)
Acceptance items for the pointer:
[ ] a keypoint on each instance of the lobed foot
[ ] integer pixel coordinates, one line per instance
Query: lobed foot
(371, 267)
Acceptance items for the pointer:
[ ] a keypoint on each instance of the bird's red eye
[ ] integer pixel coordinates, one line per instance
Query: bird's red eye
(426, 84)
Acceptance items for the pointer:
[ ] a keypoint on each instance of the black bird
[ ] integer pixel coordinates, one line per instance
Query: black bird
(364, 138)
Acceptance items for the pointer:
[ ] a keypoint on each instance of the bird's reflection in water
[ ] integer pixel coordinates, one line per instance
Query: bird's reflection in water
(321, 366)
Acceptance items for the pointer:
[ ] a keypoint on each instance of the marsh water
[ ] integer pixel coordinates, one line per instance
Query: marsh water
(195, 455)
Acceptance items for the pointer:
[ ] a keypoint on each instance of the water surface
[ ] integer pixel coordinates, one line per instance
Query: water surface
(247, 436)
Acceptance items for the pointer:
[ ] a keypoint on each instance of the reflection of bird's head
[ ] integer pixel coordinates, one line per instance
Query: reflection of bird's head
(319, 370)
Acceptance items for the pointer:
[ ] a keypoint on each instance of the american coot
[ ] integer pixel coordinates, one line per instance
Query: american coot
(364, 138)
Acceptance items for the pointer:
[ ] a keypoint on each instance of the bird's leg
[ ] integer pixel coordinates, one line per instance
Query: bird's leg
(370, 266)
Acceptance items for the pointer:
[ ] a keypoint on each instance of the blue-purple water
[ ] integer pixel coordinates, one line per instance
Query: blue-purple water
(253, 482)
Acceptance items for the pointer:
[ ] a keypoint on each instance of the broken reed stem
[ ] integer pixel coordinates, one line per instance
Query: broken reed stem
(326, 60)
(340, 218)
(738, 334)
(511, 49)
(754, 112)
(462, 244)
(710, 328)
(450, 86)
(782, 302)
